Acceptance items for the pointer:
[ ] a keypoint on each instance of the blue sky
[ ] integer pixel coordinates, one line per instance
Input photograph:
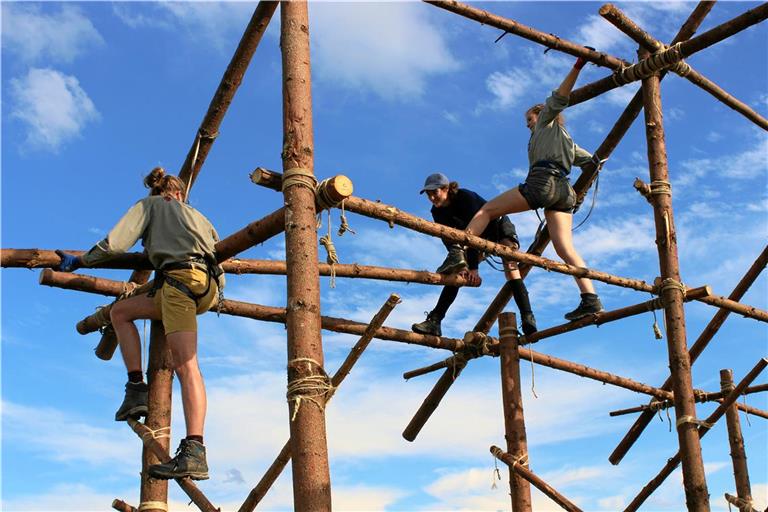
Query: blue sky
(95, 94)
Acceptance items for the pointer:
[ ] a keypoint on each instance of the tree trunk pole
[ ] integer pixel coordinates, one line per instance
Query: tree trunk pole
(736, 441)
(311, 475)
(160, 379)
(514, 418)
(694, 480)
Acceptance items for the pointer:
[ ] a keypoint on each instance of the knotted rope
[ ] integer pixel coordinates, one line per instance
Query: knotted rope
(153, 505)
(299, 176)
(690, 419)
(344, 227)
(653, 305)
(331, 257)
(660, 187)
(670, 56)
(672, 284)
(159, 433)
(314, 388)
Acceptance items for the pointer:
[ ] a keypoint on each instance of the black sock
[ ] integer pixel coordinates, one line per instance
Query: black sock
(135, 377)
(520, 293)
(199, 439)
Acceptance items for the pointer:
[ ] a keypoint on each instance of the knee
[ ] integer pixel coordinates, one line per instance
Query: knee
(118, 314)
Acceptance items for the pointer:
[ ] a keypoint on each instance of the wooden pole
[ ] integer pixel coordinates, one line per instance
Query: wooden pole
(266, 482)
(514, 418)
(596, 319)
(620, 20)
(122, 506)
(160, 380)
(696, 349)
(222, 98)
(517, 467)
(736, 441)
(694, 479)
(152, 445)
(537, 36)
(311, 476)
(686, 49)
(701, 430)
(742, 505)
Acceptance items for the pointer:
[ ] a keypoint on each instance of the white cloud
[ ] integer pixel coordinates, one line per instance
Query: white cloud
(53, 106)
(600, 34)
(219, 24)
(750, 163)
(389, 48)
(34, 35)
(508, 89)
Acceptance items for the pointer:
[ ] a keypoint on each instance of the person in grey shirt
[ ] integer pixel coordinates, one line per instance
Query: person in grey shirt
(551, 153)
(179, 242)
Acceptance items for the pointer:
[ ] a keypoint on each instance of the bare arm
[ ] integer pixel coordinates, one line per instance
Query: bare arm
(570, 79)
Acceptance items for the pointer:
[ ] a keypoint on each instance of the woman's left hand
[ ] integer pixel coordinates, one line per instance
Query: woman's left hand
(473, 277)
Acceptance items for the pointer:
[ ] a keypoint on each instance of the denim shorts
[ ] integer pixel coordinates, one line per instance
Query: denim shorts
(548, 189)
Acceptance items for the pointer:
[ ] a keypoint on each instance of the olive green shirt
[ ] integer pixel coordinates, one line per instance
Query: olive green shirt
(171, 232)
(551, 142)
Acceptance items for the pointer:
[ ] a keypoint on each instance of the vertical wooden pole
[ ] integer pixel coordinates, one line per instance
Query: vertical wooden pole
(311, 476)
(514, 420)
(697, 497)
(160, 379)
(735, 439)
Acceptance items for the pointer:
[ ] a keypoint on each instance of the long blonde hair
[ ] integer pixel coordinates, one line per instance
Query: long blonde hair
(161, 184)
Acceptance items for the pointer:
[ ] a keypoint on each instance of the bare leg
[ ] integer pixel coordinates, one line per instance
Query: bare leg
(511, 271)
(511, 201)
(184, 349)
(123, 314)
(559, 226)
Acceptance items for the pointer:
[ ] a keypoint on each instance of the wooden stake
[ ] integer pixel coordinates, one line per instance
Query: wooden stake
(122, 506)
(736, 441)
(517, 467)
(701, 430)
(694, 479)
(514, 418)
(266, 482)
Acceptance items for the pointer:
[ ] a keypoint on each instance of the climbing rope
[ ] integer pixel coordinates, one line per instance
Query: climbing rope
(313, 388)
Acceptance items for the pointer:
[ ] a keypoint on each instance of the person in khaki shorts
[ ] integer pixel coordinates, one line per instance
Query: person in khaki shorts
(179, 242)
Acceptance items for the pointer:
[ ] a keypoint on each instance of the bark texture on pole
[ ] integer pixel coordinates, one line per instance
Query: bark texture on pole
(230, 82)
(160, 380)
(701, 431)
(311, 475)
(696, 349)
(694, 480)
(261, 489)
(514, 419)
(519, 468)
(736, 442)
(122, 506)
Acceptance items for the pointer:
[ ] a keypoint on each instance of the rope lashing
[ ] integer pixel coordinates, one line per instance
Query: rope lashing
(699, 395)
(391, 221)
(522, 460)
(660, 187)
(323, 197)
(659, 405)
(477, 344)
(313, 388)
(153, 505)
(457, 362)
(299, 176)
(690, 419)
(666, 58)
(672, 284)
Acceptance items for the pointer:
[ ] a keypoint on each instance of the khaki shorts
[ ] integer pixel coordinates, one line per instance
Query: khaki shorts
(177, 310)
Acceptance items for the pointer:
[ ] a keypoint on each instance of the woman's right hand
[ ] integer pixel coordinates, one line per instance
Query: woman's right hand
(69, 262)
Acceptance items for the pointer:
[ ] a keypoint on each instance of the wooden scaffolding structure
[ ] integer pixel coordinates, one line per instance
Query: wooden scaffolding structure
(303, 197)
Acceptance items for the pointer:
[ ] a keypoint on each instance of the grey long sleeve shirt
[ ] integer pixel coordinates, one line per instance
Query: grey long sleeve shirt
(551, 142)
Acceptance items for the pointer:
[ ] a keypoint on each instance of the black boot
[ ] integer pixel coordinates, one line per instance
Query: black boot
(135, 402)
(589, 305)
(430, 326)
(454, 262)
(520, 293)
(188, 462)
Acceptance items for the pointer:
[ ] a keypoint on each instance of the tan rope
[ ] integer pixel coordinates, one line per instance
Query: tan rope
(658, 187)
(323, 197)
(522, 460)
(332, 257)
(160, 433)
(391, 221)
(313, 388)
(673, 284)
(496, 474)
(668, 57)
(153, 505)
(690, 419)
(299, 176)
(344, 227)
(699, 395)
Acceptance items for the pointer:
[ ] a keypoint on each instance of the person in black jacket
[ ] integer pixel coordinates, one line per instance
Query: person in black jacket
(455, 207)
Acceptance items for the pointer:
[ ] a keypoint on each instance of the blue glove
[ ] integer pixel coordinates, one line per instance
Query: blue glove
(69, 262)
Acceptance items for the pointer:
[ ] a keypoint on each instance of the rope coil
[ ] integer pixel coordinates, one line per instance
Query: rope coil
(315, 388)
(660, 187)
(299, 176)
(667, 58)
(153, 505)
(690, 419)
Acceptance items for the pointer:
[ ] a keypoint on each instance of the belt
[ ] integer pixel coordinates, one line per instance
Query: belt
(552, 168)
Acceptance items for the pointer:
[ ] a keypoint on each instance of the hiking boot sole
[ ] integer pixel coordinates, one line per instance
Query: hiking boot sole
(573, 318)
(135, 413)
(453, 269)
(194, 475)
(424, 331)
